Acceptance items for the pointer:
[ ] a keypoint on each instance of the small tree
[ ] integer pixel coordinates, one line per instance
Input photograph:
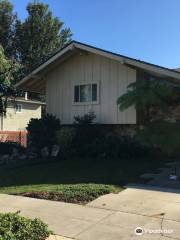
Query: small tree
(7, 27)
(8, 70)
(39, 36)
(143, 94)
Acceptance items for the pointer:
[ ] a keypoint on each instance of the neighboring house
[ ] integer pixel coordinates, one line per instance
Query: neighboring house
(19, 112)
(81, 78)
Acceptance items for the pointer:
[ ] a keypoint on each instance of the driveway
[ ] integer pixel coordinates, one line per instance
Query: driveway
(110, 217)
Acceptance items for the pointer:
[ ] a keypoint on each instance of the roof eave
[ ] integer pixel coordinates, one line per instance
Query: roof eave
(35, 72)
(123, 59)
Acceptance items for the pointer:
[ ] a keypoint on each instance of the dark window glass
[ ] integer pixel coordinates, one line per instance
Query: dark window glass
(76, 93)
(85, 93)
(94, 92)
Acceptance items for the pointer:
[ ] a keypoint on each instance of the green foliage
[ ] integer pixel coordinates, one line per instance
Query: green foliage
(15, 227)
(65, 138)
(42, 132)
(7, 29)
(86, 133)
(112, 146)
(5, 94)
(8, 69)
(33, 40)
(90, 140)
(145, 93)
(163, 135)
(39, 35)
(86, 119)
(74, 193)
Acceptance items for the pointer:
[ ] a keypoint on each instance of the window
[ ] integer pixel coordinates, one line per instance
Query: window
(86, 93)
(18, 108)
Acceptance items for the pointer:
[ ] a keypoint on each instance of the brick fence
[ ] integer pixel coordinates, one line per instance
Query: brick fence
(14, 136)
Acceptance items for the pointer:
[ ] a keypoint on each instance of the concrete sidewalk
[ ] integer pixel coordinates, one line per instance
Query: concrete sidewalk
(110, 217)
(56, 237)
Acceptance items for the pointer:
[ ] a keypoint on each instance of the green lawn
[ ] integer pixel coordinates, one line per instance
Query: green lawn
(71, 178)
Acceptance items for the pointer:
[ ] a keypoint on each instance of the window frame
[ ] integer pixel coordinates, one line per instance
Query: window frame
(89, 102)
(17, 109)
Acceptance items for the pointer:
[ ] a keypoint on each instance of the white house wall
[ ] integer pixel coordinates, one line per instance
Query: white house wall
(16, 121)
(112, 77)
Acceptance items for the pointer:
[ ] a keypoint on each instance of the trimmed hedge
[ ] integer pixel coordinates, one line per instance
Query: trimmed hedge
(15, 227)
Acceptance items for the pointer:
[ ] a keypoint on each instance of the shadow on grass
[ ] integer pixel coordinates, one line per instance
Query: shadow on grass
(72, 171)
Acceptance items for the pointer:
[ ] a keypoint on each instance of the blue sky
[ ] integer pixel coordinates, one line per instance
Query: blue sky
(144, 29)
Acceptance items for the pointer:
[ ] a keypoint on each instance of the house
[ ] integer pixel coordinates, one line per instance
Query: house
(81, 78)
(19, 112)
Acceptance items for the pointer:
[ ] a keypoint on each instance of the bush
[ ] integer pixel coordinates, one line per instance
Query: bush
(65, 138)
(86, 139)
(162, 135)
(15, 227)
(86, 119)
(104, 147)
(86, 133)
(42, 132)
(114, 146)
(7, 147)
(75, 193)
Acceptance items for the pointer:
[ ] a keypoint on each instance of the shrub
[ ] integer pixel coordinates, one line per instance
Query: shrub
(86, 133)
(163, 135)
(86, 139)
(42, 132)
(86, 119)
(75, 193)
(7, 147)
(105, 147)
(65, 138)
(131, 148)
(15, 227)
(113, 146)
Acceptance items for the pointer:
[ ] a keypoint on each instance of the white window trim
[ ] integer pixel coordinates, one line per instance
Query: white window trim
(21, 108)
(86, 103)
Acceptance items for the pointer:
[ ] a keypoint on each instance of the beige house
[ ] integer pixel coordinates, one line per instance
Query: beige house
(81, 78)
(18, 114)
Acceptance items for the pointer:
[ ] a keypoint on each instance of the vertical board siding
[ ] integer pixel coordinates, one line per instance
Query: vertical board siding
(96, 77)
(112, 77)
(104, 91)
(121, 88)
(131, 111)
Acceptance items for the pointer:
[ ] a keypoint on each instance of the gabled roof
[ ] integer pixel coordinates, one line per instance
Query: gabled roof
(73, 46)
